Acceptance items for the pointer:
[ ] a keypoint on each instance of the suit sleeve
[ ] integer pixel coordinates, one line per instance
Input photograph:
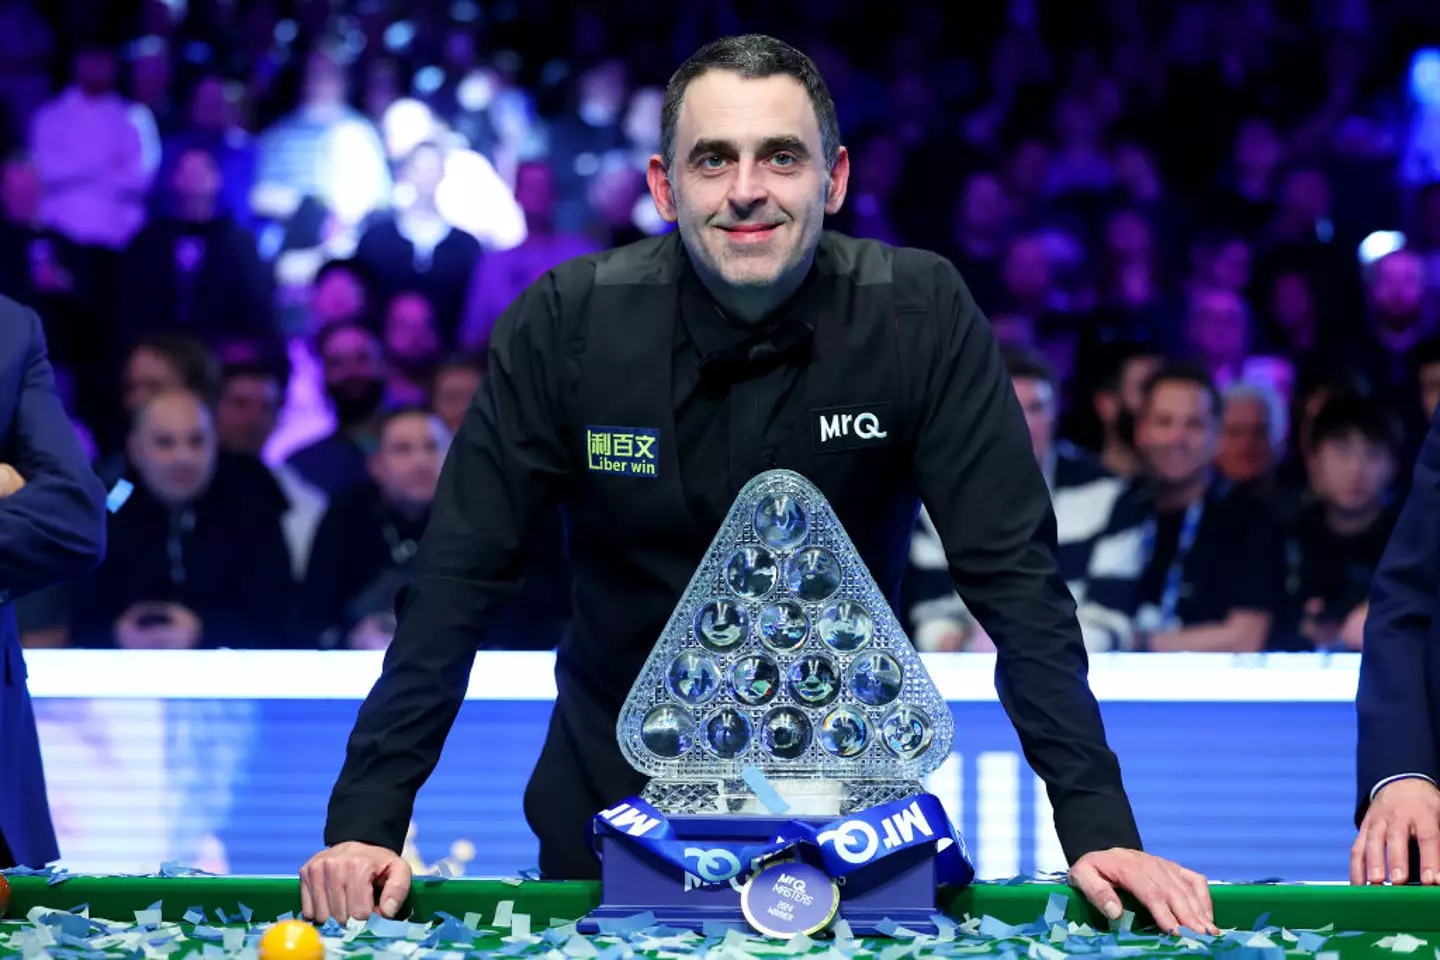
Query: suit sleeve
(54, 529)
(1393, 700)
(986, 494)
(502, 475)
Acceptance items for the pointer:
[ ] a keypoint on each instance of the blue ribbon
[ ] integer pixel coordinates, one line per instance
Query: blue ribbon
(844, 845)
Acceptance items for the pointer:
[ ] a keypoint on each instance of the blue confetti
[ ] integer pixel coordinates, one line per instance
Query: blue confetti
(531, 873)
(1311, 942)
(612, 952)
(221, 914)
(763, 791)
(717, 928)
(287, 915)
(1260, 921)
(387, 929)
(68, 924)
(58, 877)
(194, 915)
(246, 913)
(331, 928)
(452, 930)
(206, 932)
(1055, 908)
(1016, 880)
(997, 929)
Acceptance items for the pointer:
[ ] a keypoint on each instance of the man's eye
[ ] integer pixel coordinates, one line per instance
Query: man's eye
(712, 162)
(784, 159)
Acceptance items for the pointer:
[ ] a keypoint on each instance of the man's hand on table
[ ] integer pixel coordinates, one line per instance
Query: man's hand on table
(1174, 896)
(340, 882)
(1401, 810)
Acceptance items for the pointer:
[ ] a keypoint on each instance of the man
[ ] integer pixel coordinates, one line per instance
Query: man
(1339, 537)
(1117, 401)
(52, 523)
(1099, 530)
(731, 340)
(1213, 578)
(354, 371)
(197, 557)
(366, 543)
(1397, 757)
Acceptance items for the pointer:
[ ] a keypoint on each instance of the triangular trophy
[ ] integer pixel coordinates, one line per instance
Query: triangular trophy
(783, 656)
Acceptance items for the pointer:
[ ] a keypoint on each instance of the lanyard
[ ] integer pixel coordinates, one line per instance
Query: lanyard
(1174, 577)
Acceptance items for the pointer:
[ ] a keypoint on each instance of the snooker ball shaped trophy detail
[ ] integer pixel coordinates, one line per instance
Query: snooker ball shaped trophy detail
(784, 656)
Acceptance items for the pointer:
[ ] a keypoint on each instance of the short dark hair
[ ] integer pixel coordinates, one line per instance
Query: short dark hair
(277, 369)
(1349, 413)
(1184, 371)
(329, 330)
(199, 370)
(1022, 363)
(395, 414)
(754, 56)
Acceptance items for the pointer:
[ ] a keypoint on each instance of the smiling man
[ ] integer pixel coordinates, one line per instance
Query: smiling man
(640, 389)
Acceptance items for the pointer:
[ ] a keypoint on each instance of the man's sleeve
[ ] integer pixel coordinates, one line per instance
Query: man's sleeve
(1393, 700)
(985, 492)
(503, 472)
(53, 529)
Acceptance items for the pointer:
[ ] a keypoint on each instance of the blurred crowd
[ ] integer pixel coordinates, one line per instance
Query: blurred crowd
(269, 240)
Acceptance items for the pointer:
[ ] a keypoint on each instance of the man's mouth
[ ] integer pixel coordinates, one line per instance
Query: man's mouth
(751, 232)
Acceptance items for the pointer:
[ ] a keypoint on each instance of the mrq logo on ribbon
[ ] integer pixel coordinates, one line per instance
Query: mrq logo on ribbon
(783, 686)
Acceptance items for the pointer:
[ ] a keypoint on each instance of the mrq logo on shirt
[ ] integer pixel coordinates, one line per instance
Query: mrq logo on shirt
(629, 451)
(843, 428)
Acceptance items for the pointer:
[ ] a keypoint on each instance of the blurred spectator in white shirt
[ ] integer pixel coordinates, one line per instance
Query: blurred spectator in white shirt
(96, 155)
(324, 149)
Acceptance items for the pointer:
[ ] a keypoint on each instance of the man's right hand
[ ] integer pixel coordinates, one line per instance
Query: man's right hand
(1401, 810)
(340, 882)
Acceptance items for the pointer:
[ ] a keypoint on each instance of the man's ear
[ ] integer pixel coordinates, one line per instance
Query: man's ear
(662, 192)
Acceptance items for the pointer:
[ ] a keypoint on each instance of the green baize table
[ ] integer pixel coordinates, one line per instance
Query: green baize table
(219, 917)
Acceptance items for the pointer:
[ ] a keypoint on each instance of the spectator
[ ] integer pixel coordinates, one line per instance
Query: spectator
(370, 533)
(96, 155)
(1253, 433)
(1117, 404)
(245, 417)
(1214, 565)
(195, 557)
(1426, 359)
(1337, 543)
(1217, 329)
(355, 383)
(414, 248)
(456, 381)
(214, 127)
(412, 350)
(195, 269)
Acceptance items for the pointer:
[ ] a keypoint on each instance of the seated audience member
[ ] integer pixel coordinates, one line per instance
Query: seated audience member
(244, 419)
(453, 388)
(412, 350)
(156, 364)
(1336, 545)
(195, 557)
(1098, 527)
(1213, 579)
(1253, 432)
(354, 371)
(370, 533)
(195, 269)
(1117, 401)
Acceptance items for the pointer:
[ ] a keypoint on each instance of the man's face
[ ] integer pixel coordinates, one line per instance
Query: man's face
(535, 190)
(1244, 452)
(1218, 327)
(1176, 432)
(146, 374)
(173, 447)
(454, 389)
(95, 71)
(352, 361)
(748, 186)
(1027, 269)
(1037, 399)
(246, 414)
(210, 107)
(1134, 374)
(1430, 388)
(196, 176)
(407, 462)
(1399, 284)
(1350, 471)
(410, 329)
(338, 296)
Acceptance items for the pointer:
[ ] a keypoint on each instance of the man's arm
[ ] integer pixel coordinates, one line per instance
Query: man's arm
(984, 490)
(54, 528)
(1392, 701)
(503, 472)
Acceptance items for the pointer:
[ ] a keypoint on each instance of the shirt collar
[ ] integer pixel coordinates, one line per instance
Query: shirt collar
(712, 332)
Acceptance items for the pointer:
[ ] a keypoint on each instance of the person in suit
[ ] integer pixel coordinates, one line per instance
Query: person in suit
(52, 528)
(1397, 758)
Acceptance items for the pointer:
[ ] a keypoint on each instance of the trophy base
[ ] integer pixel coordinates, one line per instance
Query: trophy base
(900, 888)
(806, 798)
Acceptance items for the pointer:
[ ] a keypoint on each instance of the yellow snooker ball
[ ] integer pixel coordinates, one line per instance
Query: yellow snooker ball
(292, 940)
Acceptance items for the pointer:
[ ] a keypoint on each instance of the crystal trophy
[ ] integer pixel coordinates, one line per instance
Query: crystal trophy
(783, 656)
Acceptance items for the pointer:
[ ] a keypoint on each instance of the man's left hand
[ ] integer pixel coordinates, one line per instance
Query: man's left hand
(10, 480)
(1174, 896)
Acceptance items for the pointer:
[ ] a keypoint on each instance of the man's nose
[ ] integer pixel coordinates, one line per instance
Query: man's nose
(748, 190)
